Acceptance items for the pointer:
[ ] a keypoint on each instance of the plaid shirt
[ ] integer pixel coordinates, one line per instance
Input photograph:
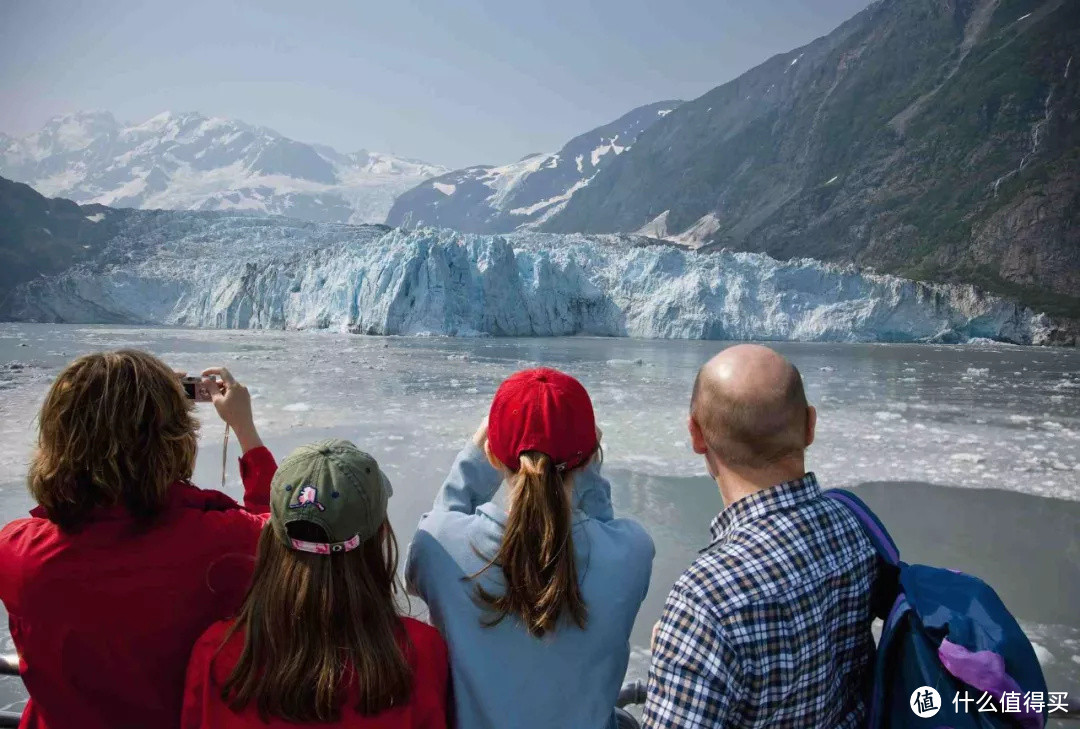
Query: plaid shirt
(770, 626)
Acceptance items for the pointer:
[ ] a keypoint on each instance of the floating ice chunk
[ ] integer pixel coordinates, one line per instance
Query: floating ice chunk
(887, 415)
(297, 407)
(978, 371)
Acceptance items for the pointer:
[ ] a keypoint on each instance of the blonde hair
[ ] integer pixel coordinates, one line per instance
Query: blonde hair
(115, 429)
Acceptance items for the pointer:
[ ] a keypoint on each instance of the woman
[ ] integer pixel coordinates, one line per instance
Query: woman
(318, 638)
(536, 602)
(124, 563)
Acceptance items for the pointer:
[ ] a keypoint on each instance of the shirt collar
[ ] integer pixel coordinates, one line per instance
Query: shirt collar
(762, 503)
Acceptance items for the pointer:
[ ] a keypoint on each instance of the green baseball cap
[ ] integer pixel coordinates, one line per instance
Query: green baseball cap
(334, 485)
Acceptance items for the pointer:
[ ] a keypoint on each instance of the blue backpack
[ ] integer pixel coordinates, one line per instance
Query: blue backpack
(950, 632)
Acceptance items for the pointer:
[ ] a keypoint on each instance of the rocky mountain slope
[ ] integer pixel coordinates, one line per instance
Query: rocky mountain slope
(217, 269)
(189, 161)
(938, 139)
(524, 194)
(40, 236)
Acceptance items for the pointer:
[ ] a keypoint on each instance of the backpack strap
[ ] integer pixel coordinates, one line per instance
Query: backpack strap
(875, 530)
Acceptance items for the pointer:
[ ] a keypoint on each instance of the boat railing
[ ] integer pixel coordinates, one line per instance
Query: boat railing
(632, 694)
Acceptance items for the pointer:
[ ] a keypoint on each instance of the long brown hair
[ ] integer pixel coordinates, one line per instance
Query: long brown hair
(537, 552)
(315, 625)
(115, 428)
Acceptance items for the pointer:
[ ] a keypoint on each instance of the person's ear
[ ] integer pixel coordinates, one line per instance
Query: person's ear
(697, 438)
(811, 424)
(495, 462)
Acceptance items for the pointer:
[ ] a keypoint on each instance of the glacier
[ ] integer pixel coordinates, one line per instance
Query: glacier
(224, 270)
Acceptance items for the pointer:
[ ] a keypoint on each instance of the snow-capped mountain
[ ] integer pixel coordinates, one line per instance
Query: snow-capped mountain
(192, 162)
(243, 271)
(523, 194)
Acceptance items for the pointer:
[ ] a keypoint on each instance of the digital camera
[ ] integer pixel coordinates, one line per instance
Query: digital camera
(196, 389)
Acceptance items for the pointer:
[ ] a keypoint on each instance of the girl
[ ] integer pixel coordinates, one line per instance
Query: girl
(536, 602)
(124, 562)
(318, 639)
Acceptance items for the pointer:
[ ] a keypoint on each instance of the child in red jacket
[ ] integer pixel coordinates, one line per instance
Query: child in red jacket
(319, 638)
(124, 563)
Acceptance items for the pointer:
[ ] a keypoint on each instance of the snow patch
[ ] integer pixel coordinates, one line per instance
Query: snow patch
(655, 228)
(563, 198)
(604, 149)
(698, 233)
(444, 188)
(95, 218)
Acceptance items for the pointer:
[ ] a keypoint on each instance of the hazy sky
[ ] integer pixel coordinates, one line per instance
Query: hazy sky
(450, 81)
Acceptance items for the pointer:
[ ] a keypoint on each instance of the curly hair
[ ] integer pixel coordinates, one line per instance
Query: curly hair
(115, 429)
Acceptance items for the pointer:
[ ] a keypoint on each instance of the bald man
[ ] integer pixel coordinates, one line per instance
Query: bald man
(770, 626)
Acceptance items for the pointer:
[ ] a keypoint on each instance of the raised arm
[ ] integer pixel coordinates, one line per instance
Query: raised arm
(472, 480)
(257, 466)
(592, 492)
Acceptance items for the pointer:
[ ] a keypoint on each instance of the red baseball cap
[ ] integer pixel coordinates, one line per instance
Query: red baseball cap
(542, 410)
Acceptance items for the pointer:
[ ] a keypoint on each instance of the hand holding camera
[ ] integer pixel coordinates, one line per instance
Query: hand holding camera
(231, 400)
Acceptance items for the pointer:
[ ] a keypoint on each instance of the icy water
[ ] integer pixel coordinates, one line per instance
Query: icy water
(970, 454)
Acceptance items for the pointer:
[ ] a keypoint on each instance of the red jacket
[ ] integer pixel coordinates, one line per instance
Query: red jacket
(104, 618)
(208, 670)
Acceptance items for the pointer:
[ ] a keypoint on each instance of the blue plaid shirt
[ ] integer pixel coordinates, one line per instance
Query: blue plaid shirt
(770, 626)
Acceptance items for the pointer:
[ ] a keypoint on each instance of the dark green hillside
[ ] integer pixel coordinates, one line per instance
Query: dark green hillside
(933, 138)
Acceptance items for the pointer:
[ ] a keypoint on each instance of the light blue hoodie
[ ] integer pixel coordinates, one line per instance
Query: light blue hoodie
(501, 675)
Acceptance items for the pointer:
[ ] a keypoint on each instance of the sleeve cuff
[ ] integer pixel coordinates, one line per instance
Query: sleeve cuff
(255, 460)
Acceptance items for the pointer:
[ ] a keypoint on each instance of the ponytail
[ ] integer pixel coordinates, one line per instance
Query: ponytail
(537, 552)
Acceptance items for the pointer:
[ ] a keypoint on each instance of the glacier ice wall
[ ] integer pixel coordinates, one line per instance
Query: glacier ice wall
(222, 271)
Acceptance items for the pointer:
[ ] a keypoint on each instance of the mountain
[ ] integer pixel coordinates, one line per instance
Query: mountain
(41, 236)
(936, 139)
(189, 161)
(220, 269)
(486, 199)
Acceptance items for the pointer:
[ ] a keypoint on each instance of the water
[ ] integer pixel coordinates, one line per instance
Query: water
(970, 454)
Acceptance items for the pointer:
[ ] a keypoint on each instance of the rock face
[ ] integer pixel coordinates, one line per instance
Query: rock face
(485, 199)
(191, 162)
(219, 270)
(938, 139)
(43, 236)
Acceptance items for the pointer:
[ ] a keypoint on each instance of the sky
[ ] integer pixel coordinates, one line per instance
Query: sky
(454, 82)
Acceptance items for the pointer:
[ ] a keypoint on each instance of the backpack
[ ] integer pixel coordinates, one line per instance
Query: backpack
(949, 632)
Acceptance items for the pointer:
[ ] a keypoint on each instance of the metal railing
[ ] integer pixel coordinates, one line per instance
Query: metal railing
(632, 694)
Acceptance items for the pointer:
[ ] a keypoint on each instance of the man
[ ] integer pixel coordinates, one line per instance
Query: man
(770, 626)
